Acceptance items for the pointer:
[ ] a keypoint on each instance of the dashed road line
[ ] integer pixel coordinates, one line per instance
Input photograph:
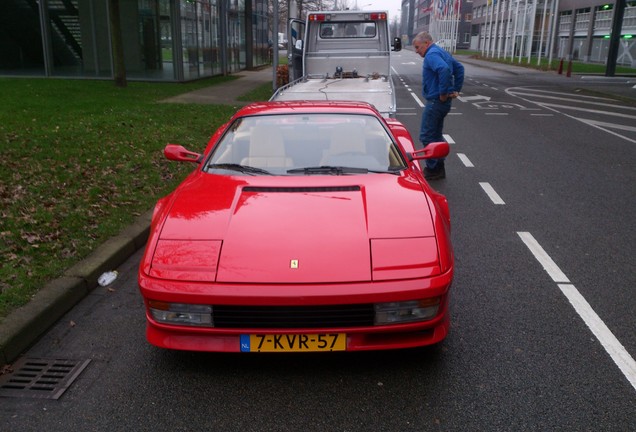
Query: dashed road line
(417, 100)
(467, 163)
(490, 191)
(603, 334)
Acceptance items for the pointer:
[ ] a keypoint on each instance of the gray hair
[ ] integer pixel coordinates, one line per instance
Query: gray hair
(423, 37)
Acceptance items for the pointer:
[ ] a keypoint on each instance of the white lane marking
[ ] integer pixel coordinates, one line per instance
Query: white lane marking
(419, 102)
(467, 163)
(448, 139)
(573, 108)
(595, 124)
(551, 108)
(496, 114)
(562, 99)
(520, 90)
(494, 196)
(472, 98)
(609, 125)
(544, 259)
(614, 348)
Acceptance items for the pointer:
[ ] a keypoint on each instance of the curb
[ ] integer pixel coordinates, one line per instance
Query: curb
(24, 326)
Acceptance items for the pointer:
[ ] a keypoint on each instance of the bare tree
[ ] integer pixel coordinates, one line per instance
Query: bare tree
(345, 5)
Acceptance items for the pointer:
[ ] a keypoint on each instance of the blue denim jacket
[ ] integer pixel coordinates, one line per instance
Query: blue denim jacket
(441, 73)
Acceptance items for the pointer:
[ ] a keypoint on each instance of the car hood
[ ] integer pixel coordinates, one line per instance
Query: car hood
(297, 229)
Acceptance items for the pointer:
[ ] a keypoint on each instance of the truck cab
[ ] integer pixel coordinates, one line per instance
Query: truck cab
(348, 50)
(351, 40)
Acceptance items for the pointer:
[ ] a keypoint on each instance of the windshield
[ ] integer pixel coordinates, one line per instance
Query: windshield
(347, 29)
(305, 144)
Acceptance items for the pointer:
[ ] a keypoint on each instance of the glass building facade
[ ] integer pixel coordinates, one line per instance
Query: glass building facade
(164, 40)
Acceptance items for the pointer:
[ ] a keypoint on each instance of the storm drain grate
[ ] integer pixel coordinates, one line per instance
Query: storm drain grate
(41, 378)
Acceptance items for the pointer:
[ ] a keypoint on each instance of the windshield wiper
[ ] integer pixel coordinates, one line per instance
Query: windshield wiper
(241, 168)
(337, 170)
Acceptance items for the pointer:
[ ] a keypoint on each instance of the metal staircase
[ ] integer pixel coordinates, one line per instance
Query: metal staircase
(66, 37)
(64, 17)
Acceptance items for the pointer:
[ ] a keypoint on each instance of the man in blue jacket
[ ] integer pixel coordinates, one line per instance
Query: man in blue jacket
(442, 80)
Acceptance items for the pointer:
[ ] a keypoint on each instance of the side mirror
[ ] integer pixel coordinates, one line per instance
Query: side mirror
(397, 44)
(435, 150)
(176, 152)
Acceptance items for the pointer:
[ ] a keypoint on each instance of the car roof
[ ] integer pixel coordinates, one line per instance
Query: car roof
(300, 107)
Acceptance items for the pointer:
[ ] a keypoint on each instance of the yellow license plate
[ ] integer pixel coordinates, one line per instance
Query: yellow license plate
(293, 342)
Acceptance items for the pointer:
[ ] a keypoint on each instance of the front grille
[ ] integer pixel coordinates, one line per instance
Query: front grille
(293, 316)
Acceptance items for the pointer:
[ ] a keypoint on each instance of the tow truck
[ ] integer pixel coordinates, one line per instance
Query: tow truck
(341, 55)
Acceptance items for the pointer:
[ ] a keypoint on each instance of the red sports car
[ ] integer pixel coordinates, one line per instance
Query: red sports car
(306, 226)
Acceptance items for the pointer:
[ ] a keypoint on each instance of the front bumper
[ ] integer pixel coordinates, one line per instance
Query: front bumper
(358, 338)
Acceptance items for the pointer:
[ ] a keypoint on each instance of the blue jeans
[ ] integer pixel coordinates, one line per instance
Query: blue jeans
(432, 125)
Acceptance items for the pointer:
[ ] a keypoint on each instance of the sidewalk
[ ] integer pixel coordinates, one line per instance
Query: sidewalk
(227, 93)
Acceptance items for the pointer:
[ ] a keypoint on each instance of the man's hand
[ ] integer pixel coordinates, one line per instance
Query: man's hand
(445, 97)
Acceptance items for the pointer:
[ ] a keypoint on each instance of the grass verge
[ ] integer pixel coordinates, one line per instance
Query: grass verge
(79, 161)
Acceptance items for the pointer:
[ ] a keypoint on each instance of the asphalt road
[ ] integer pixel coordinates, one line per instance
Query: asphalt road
(524, 170)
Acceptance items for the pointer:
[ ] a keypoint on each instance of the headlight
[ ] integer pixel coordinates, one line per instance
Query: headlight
(181, 314)
(407, 311)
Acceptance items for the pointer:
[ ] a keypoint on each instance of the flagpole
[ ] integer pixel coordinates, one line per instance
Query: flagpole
(533, 18)
(492, 6)
(458, 18)
(523, 30)
(444, 27)
(500, 24)
(554, 11)
(508, 32)
(493, 45)
(483, 45)
(545, 11)
(514, 39)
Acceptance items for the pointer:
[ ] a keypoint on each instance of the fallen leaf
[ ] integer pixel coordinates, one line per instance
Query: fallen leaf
(6, 369)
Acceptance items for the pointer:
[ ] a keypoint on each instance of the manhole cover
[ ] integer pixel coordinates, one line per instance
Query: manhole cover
(41, 378)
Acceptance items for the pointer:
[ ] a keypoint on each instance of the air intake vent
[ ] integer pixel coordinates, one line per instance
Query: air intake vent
(302, 189)
(293, 316)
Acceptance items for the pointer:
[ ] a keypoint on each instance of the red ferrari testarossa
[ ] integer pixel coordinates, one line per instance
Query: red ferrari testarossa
(305, 226)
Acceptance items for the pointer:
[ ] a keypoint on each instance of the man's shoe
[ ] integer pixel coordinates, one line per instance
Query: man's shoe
(436, 173)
